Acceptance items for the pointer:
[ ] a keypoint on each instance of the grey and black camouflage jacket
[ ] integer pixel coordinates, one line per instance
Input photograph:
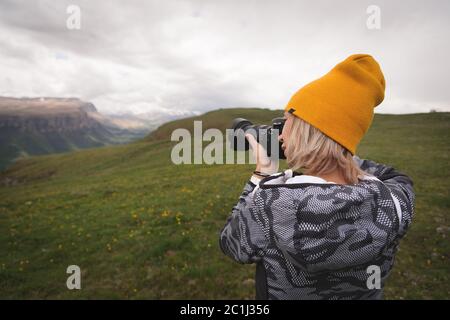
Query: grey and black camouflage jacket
(313, 239)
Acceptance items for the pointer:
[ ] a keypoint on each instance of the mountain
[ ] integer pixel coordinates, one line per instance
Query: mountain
(36, 126)
(157, 117)
(141, 227)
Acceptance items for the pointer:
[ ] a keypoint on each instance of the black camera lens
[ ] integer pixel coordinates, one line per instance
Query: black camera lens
(266, 135)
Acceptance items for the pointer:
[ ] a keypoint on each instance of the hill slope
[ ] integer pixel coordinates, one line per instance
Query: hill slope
(219, 119)
(139, 227)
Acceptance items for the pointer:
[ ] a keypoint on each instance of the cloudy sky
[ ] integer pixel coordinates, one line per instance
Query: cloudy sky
(199, 55)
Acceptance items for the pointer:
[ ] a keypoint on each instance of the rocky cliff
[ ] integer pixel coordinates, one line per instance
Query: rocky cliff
(34, 126)
(47, 114)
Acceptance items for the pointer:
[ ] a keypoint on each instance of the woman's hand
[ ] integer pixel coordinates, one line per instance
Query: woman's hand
(264, 164)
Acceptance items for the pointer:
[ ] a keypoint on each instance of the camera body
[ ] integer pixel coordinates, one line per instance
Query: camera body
(266, 135)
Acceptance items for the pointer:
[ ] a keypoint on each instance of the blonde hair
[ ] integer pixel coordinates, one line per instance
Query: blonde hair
(312, 152)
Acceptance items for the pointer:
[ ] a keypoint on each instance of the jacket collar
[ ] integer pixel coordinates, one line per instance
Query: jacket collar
(291, 177)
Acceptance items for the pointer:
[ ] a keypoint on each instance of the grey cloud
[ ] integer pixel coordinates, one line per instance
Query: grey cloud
(202, 55)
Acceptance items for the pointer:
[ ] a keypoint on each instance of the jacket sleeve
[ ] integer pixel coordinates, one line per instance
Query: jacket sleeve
(400, 185)
(242, 238)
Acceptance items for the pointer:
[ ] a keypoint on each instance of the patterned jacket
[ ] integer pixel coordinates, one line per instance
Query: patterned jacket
(320, 240)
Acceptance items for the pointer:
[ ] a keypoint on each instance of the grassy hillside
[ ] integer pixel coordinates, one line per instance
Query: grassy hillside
(141, 227)
(219, 119)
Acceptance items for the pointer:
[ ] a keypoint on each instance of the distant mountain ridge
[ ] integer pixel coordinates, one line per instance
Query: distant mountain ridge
(35, 126)
(46, 115)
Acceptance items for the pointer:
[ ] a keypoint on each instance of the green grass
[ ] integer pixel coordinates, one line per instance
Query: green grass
(140, 227)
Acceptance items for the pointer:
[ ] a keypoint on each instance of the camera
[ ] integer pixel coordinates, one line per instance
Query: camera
(266, 135)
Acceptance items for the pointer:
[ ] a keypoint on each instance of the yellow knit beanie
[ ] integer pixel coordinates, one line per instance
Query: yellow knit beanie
(340, 104)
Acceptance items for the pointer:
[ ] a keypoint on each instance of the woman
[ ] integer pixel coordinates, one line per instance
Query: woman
(331, 231)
